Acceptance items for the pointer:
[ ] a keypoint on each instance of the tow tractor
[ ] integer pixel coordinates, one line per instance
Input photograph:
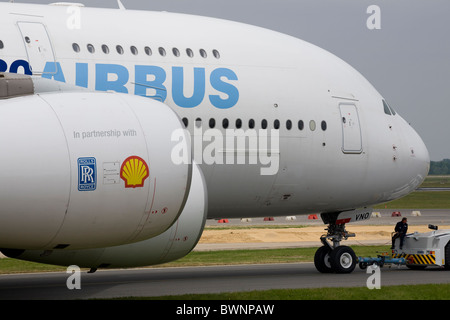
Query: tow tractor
(419, 251)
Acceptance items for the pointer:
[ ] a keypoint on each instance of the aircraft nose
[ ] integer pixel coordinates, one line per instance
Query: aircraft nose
(422, 154)
(420, 157)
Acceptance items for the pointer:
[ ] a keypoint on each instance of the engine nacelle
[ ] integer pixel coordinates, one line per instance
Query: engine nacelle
(173, 244)
(87, 170)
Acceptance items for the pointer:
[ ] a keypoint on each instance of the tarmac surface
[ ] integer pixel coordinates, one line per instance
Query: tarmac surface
(175, 281)
(190, 280)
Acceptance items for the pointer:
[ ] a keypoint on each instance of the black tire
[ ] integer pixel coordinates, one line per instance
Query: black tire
(343, 259)
(322, 260)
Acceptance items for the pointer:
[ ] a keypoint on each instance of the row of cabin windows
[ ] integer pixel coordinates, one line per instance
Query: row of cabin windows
(252, 124)
(148, 51)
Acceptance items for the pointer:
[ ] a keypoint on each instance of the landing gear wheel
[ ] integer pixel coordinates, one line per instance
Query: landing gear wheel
(333, 257)
(343, 259)
(322, 260)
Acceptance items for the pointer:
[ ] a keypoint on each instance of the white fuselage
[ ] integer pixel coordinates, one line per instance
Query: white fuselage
(337, 149)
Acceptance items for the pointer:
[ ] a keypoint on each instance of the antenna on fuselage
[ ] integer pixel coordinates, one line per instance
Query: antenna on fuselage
(121, 6)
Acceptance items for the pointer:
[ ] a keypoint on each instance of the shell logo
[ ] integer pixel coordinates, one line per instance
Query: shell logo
(134, 171)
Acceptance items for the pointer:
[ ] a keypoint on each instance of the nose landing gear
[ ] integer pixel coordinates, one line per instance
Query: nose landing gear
(332, 257)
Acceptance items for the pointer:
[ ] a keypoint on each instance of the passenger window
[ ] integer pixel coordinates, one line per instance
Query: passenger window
(148, 51)
(105, 49)
(212, 123)
(216, 54)
(91, 48)
(176, 52)
(119, 49)
(162, 51)
(75, 47)
(186, 122)
(1, 44)
(312, 125)
(324, 125)
(134, 50)
(198, 122)
(225, 123)
(301, 125)
(264, 124)
(276, 124)
(203, 53)
(189, 52)
(251, 123)
(238, 123)
(289, 124)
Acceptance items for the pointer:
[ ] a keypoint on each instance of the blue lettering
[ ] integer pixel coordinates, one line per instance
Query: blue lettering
(224, 87)
(20, 63)
(54, 71)
(178, 87)
(102, 83)
(3, 66)
(143, 83)
(115, 77)
(81, 74)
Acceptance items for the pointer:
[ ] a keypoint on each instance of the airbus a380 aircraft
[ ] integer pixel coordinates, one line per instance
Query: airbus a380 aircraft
(97, 169)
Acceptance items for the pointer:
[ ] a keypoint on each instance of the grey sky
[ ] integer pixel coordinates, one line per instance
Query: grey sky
(407, 60)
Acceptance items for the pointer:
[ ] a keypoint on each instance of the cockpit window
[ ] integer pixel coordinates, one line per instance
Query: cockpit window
(388, 109)
(392, 110)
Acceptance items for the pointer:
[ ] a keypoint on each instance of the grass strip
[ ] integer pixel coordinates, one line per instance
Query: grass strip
(420, 200)
(288, 255)
(402, 292)
(207, 258)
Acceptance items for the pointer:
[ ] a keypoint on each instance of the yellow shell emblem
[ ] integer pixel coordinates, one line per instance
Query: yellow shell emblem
(134, 171)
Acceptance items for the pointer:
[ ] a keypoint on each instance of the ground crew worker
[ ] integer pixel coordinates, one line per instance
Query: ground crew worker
(400, 232)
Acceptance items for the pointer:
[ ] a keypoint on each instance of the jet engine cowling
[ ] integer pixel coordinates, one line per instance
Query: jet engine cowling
(85, 170)
(173, 244)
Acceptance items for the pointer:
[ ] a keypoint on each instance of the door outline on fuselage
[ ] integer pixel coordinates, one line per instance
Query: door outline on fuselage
(38, 47)
(351, 128)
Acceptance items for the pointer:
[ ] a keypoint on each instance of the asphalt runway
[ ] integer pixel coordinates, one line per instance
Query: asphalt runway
(176, 281)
